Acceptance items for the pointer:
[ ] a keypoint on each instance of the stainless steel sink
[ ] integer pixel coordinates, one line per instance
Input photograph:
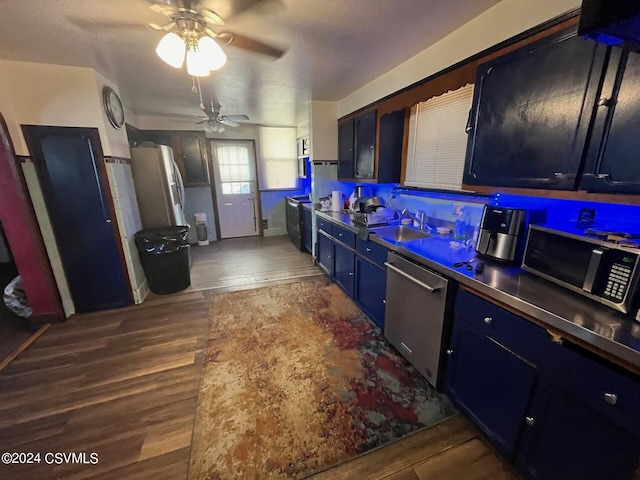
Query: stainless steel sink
(400, 233)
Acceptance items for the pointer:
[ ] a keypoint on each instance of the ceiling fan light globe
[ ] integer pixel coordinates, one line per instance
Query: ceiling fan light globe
(197, 63)
(214, 55)
(221, 129)
(171, 49)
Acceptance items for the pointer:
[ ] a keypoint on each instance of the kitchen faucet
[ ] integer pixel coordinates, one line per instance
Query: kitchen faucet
(419, 217)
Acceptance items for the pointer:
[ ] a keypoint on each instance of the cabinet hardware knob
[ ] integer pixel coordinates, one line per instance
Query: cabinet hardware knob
(108, 220)
(529, 421)
(351, 274)
(384, 301)
(368, 249)
(488, 320)
(449, 352)
(604, 102)
(339, 234)
(328, 256)
(611, 398)
(468, 129)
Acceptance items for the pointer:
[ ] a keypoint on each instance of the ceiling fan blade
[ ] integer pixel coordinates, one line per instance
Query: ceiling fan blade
(92, 24)
(261, 7)
(202, 121)
(250, 44)
(235, 118)
(160, 28)
(167, 8)
(211, 17)
(210, 32)
(228, 123)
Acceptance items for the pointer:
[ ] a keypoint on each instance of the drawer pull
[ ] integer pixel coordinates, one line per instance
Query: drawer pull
(368, 249)
(530, 421)
(407, 348)
(449, 352)
(611, 398)
(488, 320)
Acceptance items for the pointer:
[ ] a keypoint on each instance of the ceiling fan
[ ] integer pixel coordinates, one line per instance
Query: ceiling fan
(215, 121)
(196, 31)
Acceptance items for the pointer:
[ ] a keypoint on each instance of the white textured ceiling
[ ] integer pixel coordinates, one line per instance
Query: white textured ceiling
(333, 48)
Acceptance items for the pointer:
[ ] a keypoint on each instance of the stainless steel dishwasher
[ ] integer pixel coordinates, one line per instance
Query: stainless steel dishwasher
(418, 315)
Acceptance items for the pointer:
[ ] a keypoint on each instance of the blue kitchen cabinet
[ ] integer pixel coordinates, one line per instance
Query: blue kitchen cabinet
(531, 114)
(307, 229)
(566, 439)
(370, 290)
(345, 148)
(390, 142)
(364, 149)
(490, 384)
(584, 421)
(611, 164)
(325, 253)
(344, 268)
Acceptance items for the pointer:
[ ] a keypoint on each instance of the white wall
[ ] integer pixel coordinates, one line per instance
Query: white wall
(506, 19)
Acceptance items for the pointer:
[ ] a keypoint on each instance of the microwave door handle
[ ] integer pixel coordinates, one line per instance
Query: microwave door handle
(592, 270)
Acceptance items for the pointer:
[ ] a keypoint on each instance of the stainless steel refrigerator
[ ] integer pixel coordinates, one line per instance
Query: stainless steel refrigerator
(159, 186)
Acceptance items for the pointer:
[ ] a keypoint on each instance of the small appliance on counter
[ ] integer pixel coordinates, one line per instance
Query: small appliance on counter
(503, 232)
(603, 271)
(370, 211)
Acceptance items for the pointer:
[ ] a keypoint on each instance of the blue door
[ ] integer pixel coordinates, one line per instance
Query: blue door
(72, 176)
(371, 289)
(490, 384)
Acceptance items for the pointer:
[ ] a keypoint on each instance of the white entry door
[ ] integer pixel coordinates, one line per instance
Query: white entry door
(235, 165)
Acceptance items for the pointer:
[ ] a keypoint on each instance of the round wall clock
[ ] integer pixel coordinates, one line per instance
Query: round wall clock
(113, 107)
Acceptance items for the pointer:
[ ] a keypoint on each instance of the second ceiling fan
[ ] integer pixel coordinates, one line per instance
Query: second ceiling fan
(215, 122)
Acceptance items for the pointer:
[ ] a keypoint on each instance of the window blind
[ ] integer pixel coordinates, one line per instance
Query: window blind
(278, 165)
(437, 140)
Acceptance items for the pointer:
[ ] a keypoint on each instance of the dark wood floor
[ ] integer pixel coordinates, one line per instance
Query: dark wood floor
(124, 384)
(248, 262)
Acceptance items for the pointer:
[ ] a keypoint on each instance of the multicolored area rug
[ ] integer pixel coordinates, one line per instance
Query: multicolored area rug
(296, 379)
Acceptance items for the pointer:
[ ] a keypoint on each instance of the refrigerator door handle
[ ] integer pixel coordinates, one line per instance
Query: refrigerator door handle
(180, 185)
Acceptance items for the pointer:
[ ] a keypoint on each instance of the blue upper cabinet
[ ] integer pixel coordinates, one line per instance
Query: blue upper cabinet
(345, 148)
(531, 114)
(612, 161)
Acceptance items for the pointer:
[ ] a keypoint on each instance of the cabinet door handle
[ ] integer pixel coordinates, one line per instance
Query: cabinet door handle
(405, 347)
(384, 301)
(368, 249)
(611, 398)
(530, 421)
(449, 352)
(351, 274)
(604, 102)
(488, 320)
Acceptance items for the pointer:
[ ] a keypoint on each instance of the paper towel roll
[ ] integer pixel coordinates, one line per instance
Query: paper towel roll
(336, 201)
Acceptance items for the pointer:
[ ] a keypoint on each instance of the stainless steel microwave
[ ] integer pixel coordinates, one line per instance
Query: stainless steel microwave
(602, 271)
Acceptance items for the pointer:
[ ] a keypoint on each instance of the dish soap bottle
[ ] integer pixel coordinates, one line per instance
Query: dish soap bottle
(460, 227)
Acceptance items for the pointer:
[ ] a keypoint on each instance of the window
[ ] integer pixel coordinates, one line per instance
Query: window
(438, 141)
(234, 164)
(278, 165)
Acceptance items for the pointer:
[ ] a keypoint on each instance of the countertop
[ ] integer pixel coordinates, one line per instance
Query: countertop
(547, 304)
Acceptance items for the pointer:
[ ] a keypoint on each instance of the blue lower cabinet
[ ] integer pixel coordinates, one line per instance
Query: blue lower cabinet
(491, 385)
(566, 439)
(344, 268)
(371, 289)
(325, 253)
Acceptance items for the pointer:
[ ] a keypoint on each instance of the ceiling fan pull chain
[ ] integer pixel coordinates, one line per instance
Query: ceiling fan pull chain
(200, 92)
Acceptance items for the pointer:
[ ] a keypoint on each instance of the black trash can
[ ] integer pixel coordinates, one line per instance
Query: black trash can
(164, 254)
